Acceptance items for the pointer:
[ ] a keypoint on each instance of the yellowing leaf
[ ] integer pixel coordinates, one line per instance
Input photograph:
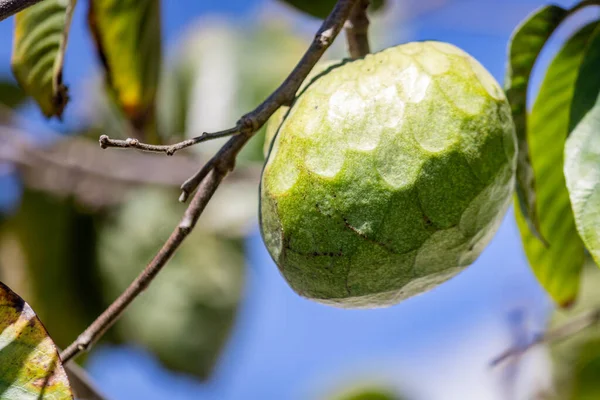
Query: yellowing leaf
(30, 366)
(526, 44)
(127, 35)
(557, 266)
(41, 33)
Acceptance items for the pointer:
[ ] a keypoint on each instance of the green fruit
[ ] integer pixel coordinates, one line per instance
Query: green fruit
(388, 175)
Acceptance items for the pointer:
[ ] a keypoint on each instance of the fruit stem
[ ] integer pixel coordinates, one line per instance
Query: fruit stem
(357, 30)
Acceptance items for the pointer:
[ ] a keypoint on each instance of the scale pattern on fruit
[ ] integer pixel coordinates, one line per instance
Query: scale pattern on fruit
(388, 175)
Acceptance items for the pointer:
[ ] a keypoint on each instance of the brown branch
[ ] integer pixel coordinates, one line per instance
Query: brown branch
(169, 150)
(11, 7)
(245, 128)
(81, 384)
(357, 30)
(564, 331)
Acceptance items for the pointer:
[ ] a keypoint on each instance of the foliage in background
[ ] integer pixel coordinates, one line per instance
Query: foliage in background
(50, 244)
(186, 316)
(577, 359)
(127, 35)
(322, 8)
(217, 57)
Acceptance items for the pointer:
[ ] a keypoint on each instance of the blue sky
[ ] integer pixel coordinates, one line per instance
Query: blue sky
(285, 347)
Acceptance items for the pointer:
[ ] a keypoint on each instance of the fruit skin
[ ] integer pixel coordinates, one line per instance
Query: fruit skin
(388, 175)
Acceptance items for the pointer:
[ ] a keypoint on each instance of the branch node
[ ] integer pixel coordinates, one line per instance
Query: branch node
(171, 150)
(183, 196)
(185, 225)
(103, 141)
(247, 125)
(324, 39)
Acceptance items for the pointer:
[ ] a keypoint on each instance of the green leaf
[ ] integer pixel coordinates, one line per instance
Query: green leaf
(557, 266)
(322, 8)
(39, 46)
(187, 313)
(11, 95)
(30, 366)
(587, 87)
(128, 40)
(526, 43)
(582, 151)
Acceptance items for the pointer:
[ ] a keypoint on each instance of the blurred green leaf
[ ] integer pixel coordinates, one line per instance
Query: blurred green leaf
(186, 315)
(128, 40)
(367, 392)
(582, 151)
(30, 366)
(322, 8)
(243, 65)
(586, 374)
(565, 352)
(557, 266)
(11, 95)
(525, 45)
(56, 241)
(39, 46)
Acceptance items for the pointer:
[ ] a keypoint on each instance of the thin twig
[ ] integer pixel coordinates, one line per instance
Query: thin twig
(357, 30)
(82, 384)
(74, 166)
(169, 150)
(566, 330)
(11, 7)
(220, 167)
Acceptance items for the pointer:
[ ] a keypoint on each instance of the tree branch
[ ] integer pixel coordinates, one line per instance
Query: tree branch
(169, 150)
(81, 384)
(11, 7)
(357, 30)
(220, 165)
(566, 330)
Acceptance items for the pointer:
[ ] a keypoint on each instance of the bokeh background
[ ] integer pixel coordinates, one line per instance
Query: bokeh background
(220, 322)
